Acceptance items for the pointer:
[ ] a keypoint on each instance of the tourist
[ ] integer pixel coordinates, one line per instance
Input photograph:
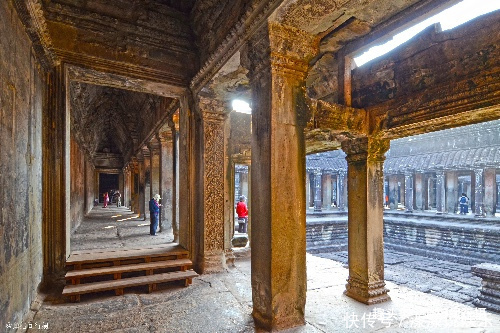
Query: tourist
(154, 211)
(242, 211)
(464, 204)
(106, 200)
(118, 196)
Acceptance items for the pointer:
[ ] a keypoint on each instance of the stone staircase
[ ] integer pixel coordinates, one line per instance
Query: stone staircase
(91, 271)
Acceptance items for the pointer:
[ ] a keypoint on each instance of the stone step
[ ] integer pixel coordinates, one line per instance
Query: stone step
(148, 267)
(74, 291)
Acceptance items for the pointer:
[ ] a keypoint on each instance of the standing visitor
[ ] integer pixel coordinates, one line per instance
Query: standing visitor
(154, 212)
(106, 200)
(242, 211)
(464, 204)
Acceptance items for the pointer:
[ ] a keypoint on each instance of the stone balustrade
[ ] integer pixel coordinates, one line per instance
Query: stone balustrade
(490, 289)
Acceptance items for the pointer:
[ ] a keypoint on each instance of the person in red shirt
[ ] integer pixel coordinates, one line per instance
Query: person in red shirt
(242, 211)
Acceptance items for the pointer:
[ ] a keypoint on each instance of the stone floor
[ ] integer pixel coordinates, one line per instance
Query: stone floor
(223, 302)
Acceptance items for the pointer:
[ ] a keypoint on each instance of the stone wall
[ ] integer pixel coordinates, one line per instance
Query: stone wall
(21, 102)
(465, 241)
(80, 185)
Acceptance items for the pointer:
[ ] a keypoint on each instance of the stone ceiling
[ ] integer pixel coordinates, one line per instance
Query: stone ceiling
(107, 120)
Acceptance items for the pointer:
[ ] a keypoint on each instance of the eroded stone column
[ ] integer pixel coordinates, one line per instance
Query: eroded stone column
(490, 192)
(440, 192)
(278, 57)
(419, 201)
(147, 180)
(154, 160)
(365, 160)
(317, 190)
(452, 194)
(211, 204)
(142, 181)
(478, 193)
(409, 192)
(327, 191)
(166, 179)
(341, 199)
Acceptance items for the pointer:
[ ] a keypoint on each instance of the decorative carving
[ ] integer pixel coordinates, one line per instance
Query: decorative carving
(368, 293)
(213, 127)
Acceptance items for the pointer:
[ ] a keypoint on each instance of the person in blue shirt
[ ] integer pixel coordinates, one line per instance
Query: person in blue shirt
(464, 204)
(154, 212)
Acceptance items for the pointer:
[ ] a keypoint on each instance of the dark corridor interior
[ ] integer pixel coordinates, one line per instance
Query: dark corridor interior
(107, 182)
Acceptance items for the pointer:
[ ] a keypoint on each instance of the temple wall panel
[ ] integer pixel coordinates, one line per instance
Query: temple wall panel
(21, 103)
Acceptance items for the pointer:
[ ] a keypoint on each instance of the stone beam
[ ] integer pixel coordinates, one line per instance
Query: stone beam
(126, 82)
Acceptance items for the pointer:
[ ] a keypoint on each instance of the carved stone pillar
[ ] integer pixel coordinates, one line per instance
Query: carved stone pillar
(440, 192)
(478, 193)
(327, 191)
(166, 180)
(341, 200)
(126, 186)
(56, 176)
(278, 59)
(147, 180)
(142, 181)
(490, 192)
(393, 191)
(317, 190)
(409, 192)
(211, 187)
(175, 224)
(134, 180)
(365, 160)
(154, 160)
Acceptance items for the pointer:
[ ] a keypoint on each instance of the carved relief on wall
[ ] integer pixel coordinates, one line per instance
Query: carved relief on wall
(214, 180)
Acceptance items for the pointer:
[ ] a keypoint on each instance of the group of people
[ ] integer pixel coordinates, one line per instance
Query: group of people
(113, 195)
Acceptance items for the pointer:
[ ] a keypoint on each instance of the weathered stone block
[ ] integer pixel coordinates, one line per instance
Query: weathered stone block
(490, 290)
(240, 241)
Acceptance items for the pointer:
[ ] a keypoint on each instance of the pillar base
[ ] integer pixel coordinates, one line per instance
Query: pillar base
(214, 262)
(367, 293)
(277, 324)
(230, 257)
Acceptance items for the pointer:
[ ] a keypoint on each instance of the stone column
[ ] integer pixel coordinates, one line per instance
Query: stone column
(419, 201)
(440, 192)
(56, 176)
(490, 192)
(478, 193)
(327, 191)
(142, 181)
(166, 179)
(125, 187)
(317, 190)
(244, 183)
(365, 160)
(341, 188)
(393, 192)
(211, 193)
(134, 182)
(452, 194)
(409, 192)
(278, 60)
(147, 180)
(175, 224)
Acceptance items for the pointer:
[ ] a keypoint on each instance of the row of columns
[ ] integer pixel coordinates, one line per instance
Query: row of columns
(153, 171)
(483, 193)
(323, 190)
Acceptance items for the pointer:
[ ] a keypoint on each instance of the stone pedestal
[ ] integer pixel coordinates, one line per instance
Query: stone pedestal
(278, 59)
(490, 286)
(365, 160)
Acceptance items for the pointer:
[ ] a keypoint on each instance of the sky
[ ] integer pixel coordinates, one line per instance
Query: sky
(449, 18)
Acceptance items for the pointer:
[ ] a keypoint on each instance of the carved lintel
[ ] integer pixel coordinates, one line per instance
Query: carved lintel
(154, 146)
(336, 117)
(367, 292)
(165, 136)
